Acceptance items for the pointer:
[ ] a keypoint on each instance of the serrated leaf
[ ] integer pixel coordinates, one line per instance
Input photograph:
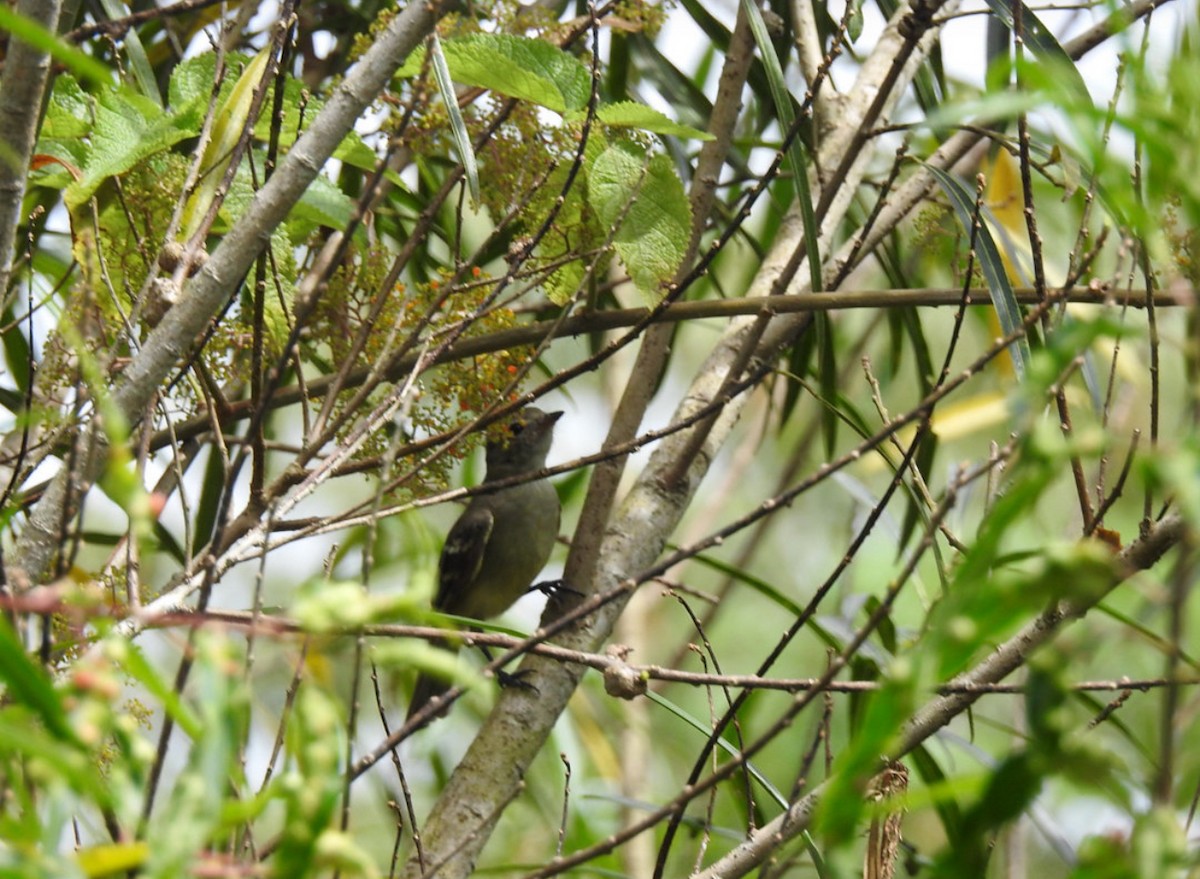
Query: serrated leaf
(631, 114)
(322, 204)
(128, 129)
(644, 201)
(69, 113)
(519, 67)
(193, 78)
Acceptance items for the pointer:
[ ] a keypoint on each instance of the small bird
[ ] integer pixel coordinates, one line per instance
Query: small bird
(503, 539)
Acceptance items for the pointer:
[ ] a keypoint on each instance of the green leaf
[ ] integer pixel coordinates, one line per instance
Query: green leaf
(128, 129)
(231, 117)
(1041, 40)
(797, 160)
(18, 356)
(322, 204)
(842, 804)
(134, 663)
(37, 36)
(139, 63)
(520, 67)
(300, 107)
(29, 685)
(1005, 303)
(730, 749)
(192, 80)
(200, 791)
(316, 741)
(631, 114)
(69, 113)
(643, 200)
(944, 804)
(458, 127)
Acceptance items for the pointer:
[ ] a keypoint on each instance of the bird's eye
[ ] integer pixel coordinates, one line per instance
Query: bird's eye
(516, 428)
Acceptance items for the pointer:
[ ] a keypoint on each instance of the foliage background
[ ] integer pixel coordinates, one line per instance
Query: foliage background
(903, 567)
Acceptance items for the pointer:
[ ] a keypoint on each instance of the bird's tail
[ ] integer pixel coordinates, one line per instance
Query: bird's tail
(430, 686)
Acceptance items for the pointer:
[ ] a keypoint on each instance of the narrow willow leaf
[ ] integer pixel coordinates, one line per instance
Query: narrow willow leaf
(771, 593)
(705, 730)
(842, 805)
(689, 102)
(199, 791)
(133, 662)
(644, 201)
(143, 74)
(458, 127)
(797, 161)
(854, 21)
(933, 778)
(630, 114)
(315, 742)
(990, 261)
(719, 36)
(1041, 41)
(18, 355)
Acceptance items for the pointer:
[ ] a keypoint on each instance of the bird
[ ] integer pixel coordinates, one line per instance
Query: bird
(502, 540)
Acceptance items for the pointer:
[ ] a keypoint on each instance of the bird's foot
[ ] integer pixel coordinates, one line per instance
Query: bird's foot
(551, 588)
(515, 679)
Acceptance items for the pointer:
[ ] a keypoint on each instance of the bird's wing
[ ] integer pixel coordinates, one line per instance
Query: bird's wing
(462, 557)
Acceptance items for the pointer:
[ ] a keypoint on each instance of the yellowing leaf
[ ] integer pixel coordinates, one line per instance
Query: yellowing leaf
(111, 858)
(1004, 200)
(230, 121)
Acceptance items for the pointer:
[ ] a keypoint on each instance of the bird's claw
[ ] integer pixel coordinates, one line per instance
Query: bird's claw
(515, 679)
(551, 588)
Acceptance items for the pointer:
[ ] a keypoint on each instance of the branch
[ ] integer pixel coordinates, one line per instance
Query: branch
(678, 312)
(606, 663)
(116, 28)
(22, 94)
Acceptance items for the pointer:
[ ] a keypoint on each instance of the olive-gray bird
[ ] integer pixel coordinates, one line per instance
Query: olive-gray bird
(503, 539)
